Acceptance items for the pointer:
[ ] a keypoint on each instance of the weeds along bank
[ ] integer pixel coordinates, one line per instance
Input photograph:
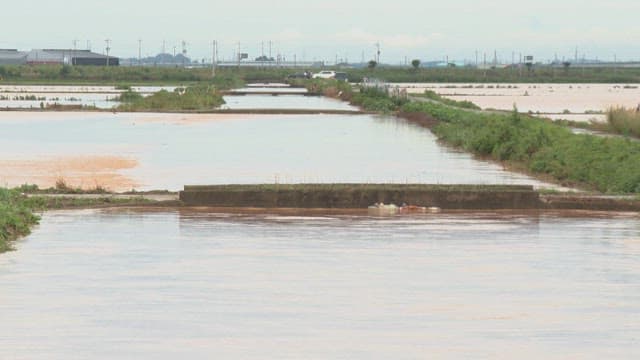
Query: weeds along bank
(16, 216)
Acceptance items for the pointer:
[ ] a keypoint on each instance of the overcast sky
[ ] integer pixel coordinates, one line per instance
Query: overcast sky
(323, 29)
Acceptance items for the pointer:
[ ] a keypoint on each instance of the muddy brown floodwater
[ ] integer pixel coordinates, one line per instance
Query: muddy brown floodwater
(79, 171)
(167, 151)
(576, 102)
(167, 284)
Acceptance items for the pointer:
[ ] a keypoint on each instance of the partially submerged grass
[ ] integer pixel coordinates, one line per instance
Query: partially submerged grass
(192, 98)
(61, 187)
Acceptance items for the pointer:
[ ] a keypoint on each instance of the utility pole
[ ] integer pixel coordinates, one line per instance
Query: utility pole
(108, 42)
(377, 52)
(73, 57)
(140, 52)
(214, 58)
(184, 52)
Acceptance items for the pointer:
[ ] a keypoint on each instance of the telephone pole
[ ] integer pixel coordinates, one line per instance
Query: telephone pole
(214, 58)
(140, 52)
(108, 48)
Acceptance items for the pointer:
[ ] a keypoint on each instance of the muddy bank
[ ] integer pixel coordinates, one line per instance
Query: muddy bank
(350, 196)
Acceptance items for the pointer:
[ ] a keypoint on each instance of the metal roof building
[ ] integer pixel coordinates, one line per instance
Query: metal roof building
(12, 57)
(56, 56)
(83, 57)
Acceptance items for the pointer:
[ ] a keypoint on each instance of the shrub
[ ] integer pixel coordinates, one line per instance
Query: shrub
(624, 121)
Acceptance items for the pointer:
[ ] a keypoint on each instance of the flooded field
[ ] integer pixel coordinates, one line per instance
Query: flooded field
(35, 96)
(166, 151)
(285, 102)
(579, 102)
(124, 284)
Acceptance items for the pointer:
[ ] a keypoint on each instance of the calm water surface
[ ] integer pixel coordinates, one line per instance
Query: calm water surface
(123, 284)
(172, 150)
(286, 102)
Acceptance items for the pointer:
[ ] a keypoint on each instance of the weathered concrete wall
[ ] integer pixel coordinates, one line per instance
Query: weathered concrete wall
(591, 203)
(346, 196)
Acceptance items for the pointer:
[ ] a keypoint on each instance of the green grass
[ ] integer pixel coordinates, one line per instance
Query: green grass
(375, 99)
(193, 98)
(16, 216)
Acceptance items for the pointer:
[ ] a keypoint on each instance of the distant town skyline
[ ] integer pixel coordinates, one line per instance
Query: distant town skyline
(330, 29)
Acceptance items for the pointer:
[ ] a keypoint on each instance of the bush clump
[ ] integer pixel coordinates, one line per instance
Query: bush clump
(624, 121)
(198, 97)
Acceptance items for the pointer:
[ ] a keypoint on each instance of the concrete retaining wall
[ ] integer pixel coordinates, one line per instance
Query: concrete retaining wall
(354, 196)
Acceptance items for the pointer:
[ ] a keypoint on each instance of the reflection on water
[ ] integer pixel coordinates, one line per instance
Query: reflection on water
(116, 284)
(173, 150)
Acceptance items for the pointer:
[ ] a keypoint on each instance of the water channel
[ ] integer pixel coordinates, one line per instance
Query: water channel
(199, 284)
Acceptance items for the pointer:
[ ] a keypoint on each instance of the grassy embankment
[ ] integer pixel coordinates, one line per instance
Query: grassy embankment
(524, 143)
